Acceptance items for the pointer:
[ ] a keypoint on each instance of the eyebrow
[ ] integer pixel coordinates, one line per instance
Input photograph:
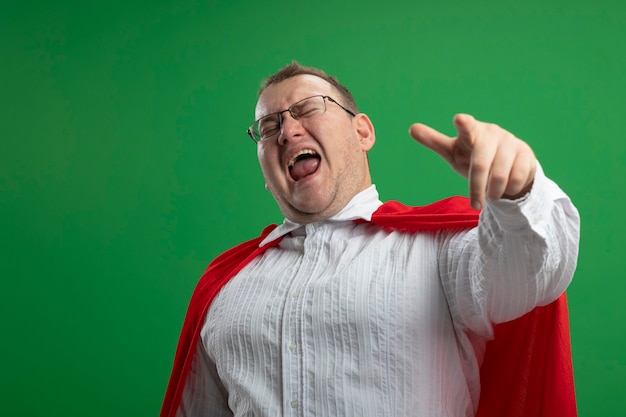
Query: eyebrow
(293, 101)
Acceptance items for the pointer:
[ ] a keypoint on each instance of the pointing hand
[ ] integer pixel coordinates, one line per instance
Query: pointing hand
(495, 163)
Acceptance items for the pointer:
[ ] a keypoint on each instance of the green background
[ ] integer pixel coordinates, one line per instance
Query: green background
(124, 165)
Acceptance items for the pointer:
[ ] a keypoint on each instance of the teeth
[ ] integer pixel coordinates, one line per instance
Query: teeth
(302, 152)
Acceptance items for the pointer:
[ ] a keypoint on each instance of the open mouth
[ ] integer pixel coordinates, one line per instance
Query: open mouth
(303, 164)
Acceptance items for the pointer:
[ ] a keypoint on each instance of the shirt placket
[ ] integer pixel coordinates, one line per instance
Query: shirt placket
(293, 319)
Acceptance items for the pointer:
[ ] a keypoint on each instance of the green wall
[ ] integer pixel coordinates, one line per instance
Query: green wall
(125, 168)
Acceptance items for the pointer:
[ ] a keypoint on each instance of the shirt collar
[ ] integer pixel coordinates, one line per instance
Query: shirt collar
(362, 206)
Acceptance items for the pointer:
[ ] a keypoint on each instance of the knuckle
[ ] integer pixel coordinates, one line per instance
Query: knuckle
(493, 127)
(480, 166)
(516, 182)
(499, 178)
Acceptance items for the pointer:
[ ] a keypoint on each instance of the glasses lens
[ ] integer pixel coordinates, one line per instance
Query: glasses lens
(269, 126)
(308, 107)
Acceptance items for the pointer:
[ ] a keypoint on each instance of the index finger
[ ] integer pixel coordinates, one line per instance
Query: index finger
(467, 128)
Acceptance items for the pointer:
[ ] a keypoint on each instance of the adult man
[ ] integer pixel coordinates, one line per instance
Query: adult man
(340, 311)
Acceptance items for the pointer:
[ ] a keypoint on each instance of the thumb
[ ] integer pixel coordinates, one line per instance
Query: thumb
(433, 140)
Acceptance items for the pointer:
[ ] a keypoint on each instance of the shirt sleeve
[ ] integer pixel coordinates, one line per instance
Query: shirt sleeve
(522, 254)
(204, 394)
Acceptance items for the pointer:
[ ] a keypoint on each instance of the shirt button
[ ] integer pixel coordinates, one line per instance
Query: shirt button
(292, 347)
(311, 256)
(296, 294)
(294, 404)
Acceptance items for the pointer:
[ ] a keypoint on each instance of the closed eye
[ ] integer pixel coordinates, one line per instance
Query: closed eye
(269, 126)
(307, 109)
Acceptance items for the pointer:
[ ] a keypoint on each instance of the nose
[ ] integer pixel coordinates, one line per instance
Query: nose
(290, 129)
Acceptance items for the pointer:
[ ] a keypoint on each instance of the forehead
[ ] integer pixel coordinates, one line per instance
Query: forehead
(281, 95)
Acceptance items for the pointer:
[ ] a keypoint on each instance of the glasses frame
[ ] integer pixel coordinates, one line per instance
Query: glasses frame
(258, 139)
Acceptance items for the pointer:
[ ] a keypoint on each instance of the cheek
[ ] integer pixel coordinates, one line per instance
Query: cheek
(349, 147)
(261, 154)
(269, 163)
(264, 157)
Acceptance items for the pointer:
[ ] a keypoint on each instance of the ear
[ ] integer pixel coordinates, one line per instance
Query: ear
(365, 130)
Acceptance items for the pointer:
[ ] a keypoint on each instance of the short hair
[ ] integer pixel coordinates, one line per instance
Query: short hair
(295, 68)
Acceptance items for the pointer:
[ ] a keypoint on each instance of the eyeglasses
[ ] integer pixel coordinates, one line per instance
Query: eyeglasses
(270, 125)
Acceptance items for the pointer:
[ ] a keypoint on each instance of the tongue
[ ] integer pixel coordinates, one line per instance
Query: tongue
(304, 167)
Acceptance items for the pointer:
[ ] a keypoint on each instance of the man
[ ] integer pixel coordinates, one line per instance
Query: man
(350, 309)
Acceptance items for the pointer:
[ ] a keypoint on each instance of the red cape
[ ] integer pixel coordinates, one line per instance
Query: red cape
(527, 368)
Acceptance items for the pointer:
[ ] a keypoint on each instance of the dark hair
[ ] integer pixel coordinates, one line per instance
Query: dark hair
(295, 68)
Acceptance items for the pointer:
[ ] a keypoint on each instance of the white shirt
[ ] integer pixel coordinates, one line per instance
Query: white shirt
(344, 319)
